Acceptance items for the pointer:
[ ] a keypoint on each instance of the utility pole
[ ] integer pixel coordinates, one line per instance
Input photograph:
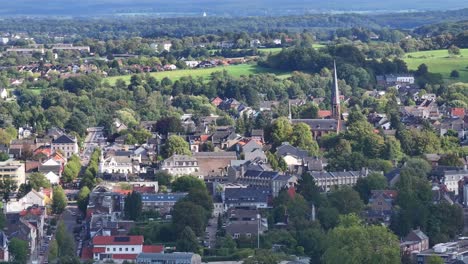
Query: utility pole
(258, 230)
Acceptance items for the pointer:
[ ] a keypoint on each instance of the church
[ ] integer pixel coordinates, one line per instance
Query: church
(321, 127)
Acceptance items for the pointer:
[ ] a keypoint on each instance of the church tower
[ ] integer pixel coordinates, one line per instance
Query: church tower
(335, 96)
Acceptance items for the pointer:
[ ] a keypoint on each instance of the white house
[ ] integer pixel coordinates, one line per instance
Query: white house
(53, 178)
(32, 198)
(125, 162)
(192, 64)
(68, 145)
(452, 177)
(177, 165)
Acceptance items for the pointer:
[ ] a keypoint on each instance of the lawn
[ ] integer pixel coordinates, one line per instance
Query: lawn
(234, 70)
(439, 61)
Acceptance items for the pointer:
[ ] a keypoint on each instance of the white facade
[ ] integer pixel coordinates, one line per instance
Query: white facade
(53, 178)
(67, 145)
(178, 165)
(192, 64)
(13, 170)
(120, 164)
(3, 93)
(451, 179)
(30, 199)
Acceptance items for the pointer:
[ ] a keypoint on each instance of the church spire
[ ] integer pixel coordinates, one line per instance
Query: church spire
(336, 111)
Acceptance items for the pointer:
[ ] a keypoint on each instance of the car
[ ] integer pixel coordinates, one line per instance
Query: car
(74, 213)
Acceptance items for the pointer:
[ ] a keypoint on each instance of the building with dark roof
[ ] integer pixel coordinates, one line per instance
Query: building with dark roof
(251, 196)
(169, 258)
(327, 180)
(66, 144)
(161, 202)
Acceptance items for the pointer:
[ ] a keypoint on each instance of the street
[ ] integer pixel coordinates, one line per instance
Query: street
(210, 232)
(94, 137)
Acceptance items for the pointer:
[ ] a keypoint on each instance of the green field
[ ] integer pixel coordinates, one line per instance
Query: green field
(234, 70)
(439, 61)
(278, 50)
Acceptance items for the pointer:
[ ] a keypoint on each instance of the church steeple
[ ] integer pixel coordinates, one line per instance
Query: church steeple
(336, 109)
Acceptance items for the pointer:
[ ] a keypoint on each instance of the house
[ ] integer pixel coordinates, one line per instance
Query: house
(32, 198)
(13, 170)
(395, 79)
(51, 165)
(192, 64)
(328, 180)
(3, 93)
(4, 253)
(169, 258)
(119, 126)
(214, 163)
(178, 165)
(258, 135)
(293, 156)
(120, 162)
(66, 144)
(120, 248)
(254, 150)
(380, 207)
(251, 196)
(52, 177)
(457, 112)
(161, 202)
(280, 182)
(16, 227)
(268, 105)
(217, 101)
(450, 251)
(246, 223)
(415, 241)
(452, 177)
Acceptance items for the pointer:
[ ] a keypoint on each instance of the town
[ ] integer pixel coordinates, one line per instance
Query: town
(333, 146)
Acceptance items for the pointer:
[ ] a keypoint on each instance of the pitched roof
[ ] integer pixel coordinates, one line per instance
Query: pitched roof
(287, 149)
(64, 139)
(51, 162)
(162, 197)
(118, 240)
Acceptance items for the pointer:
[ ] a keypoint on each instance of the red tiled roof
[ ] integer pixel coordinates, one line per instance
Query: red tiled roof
(117, 240)
(292, 192)
(124, 256)
(153, 249)
(458, 111)
(324, 113)
(99, 250)
(46, 150)
(87, 253)
(204, 138)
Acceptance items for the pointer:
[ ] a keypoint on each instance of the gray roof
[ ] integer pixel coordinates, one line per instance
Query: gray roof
(250, 194)
(287, 149)
(64, 139)
(319, 124)
(166, 256)
(261, 174)
(214, 155)
(162, 197)
(335, 174)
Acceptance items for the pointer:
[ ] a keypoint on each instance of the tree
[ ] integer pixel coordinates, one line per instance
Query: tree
(65, 240)
(454, 74)
(7, 186)
(454, 50)
(59, 200)
(177, 145)
(187, 241)
(18, 250)
(189, 214)
(83, 198)
(263, 256)
(450, 159)
(346, 200)
(200, 197)
(133, 206)
(301, 137)
(168, 124)
(364, 186)
(308, 189)
(186, 183)
(163, 178)
(435, 260)
(38, 180)
(4, 156)
(281, 131)
(376, 244)
(53, 251)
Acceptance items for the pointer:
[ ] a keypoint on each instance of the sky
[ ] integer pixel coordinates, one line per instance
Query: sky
(217, 7)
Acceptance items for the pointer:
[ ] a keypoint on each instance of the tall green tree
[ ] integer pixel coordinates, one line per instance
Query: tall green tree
(18, 250)
(364, 186)
(177, 145)
(189, 214)
(187, 241)
(346, 200)
(186, 183)
(301, 137)
(354, 243)
(65, 240)
(59, 200)
(281, 131)
(133, 206)
(38, 180)
(83, 198)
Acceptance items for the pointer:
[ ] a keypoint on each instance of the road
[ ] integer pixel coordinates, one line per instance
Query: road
(210, 232)
(94, 137)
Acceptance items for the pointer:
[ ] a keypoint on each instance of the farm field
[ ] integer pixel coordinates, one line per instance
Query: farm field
(234, 70)
(439, 61)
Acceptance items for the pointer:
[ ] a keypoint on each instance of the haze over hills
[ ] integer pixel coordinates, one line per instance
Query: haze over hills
(212, 7)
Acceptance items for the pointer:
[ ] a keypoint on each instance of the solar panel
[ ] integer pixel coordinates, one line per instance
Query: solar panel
(121, 239)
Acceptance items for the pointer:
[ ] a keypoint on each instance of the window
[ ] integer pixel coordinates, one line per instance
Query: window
(120, 249)
(133, 249)
(113, 250)
(126, 249)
